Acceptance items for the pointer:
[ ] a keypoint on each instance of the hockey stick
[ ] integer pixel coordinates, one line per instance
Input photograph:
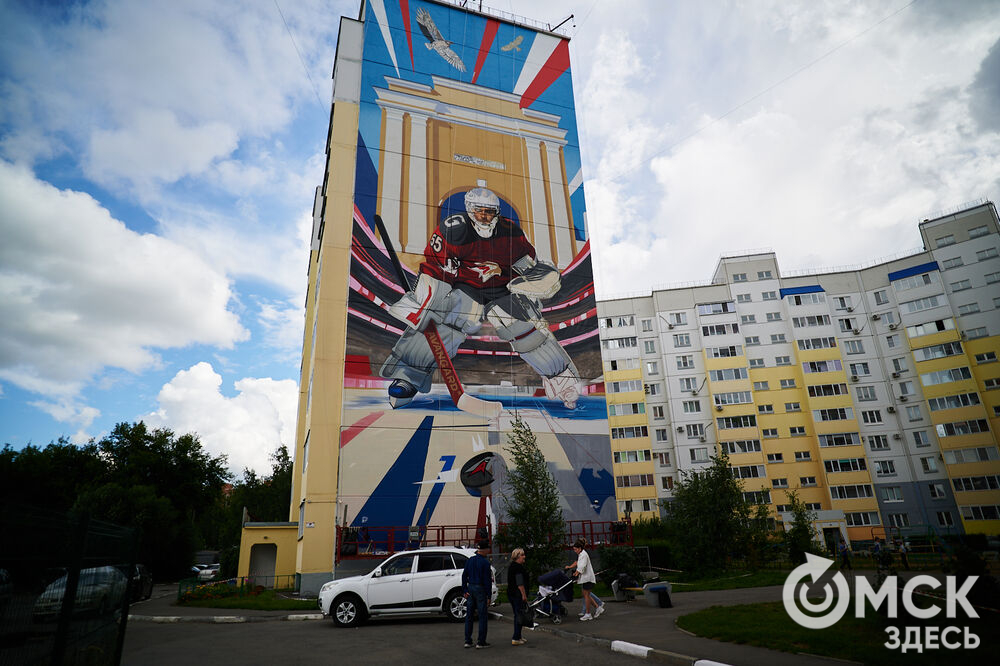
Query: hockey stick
(462, 400)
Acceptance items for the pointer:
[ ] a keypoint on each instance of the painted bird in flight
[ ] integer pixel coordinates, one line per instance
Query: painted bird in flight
(437, 42)
(514, 45)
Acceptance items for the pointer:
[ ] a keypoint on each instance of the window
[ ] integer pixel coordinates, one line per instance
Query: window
(954, 262)
(840, 439)
(717, 308)
(743, 298)
(797, 431)
(936, 491)
(853, 491)
(760, 386)
(752, 340)
(930, 327)
(667, 482)
(763, 275)
(899, 365)
(862, 519)
(823, 390)
(899, 519)
(986, 357)
(938, 351)
(725, 352)
(765, 409)
(842, 302)
(647, 325)
(748, 472)
(961, 285)
(920, 438)
(630, 432)
(624, 386)
(773, 316)
(741, 446)
(782, 360)
(778, 338)
(627, 409)
(833, 414)
(695, 431)
(775, 458)
(929, 464)
(769, 295)
(945, 519)
(691, 406)
(854, 347)
(976, 232)
(661, 435)
(920, 304)
(677, 318)
(811, 320)
(878, 442)
(884, 467)
(652, 368)
(623, 364)
(757, 496)
(846, 324)
(720, 329)
(807, 299)
(649, 346)
(913, 413)
(733, 398)
(663, 457)
(699, 454)
(845, 465)
(866, 393)
(639, 455)
(748, 319)
(958, 428)
(807, 481)
(793, 407)
(685, 362)
(619, 343)
(652, 389)
(779, 483)
(992, 383)
(787, 383)
(892, 341)
(992, 277)
(974, 483)
(689, 383)
(978, 332)
(769, 433)
(756, 363)
(871, 416)
(726, 374)
(860, 369)
(974, 454)
(822, 366)
(881, 297)
(739, 277)
(988, 253)
(634, 480)
(988, 512)
(953, 401)
(945, 376)
(945, 241)
(802, 456)
(682, 340)
(730, 422)
(817, 343)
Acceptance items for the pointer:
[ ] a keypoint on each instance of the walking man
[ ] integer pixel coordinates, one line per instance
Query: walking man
(477, 583)
(845, 555)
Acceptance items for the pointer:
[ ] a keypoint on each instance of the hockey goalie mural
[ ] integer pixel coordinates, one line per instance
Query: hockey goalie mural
(471, 292)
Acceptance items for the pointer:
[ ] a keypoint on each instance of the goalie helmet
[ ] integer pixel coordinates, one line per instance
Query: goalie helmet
(483, 208)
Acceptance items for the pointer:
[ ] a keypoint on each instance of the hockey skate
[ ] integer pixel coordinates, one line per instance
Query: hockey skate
(401, 393)
(565, 386)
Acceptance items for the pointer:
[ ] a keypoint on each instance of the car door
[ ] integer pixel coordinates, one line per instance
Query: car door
(392, 590)
(433, 571)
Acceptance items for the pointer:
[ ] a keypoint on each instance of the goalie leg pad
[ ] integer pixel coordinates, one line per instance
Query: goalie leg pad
(532, 341)
(411, 357)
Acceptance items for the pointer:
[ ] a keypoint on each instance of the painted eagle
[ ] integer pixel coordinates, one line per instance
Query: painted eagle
(437, 42)
(515, 45)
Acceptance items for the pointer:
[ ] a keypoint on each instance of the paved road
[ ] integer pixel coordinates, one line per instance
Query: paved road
(408, 641)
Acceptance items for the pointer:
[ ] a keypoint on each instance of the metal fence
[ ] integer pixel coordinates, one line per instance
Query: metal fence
(65, 587)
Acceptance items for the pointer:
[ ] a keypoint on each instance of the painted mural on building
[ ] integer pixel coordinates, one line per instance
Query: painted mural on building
(471, 291)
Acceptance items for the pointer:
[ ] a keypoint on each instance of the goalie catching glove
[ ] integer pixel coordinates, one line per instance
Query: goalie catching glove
(536, 280)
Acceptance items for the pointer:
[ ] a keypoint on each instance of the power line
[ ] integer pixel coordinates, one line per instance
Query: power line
(296, 47)
(739, 106)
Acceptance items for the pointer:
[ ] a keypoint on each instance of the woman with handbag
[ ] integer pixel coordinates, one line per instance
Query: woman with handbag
(517, 591)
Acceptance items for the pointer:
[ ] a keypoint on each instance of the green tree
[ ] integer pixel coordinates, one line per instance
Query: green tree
(708, 518)
(531, 499)
(799, 537)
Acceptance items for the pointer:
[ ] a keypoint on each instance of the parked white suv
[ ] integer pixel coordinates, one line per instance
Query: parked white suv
(411, 582)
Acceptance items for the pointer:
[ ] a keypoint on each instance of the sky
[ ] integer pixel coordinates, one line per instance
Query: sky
(158, 161)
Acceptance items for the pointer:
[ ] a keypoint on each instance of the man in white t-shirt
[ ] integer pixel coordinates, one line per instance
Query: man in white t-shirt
(586, 578)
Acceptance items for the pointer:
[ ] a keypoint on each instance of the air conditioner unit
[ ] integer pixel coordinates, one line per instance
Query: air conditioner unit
(890, 409)
(892, 327)
(903, 398)
(680, 428)
(854, 378)
(895, 375)
(856, 331)
(701, 439)
(718, 408)
(876, 317)
(694, 391)
(897, 436)
(850, 309)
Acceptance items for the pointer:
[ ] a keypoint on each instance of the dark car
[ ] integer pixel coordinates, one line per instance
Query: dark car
(142, 583)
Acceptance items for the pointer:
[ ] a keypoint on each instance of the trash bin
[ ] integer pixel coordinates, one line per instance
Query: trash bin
(657, 594)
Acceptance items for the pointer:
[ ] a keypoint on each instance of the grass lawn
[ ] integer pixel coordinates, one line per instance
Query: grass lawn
(729, 580)
(267, 600)
(767, 625)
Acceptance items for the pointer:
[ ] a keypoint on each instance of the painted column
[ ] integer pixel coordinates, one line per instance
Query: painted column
(564, 246)
(416, 215)
(392, 171)
(539, 217)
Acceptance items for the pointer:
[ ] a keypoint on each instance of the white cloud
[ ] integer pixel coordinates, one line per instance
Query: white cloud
(79, 291)
(247, 428)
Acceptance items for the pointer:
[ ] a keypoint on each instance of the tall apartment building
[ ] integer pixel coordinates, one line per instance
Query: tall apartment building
(873, 392)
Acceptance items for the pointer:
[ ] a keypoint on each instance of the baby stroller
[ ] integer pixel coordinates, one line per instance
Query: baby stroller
(554, 589)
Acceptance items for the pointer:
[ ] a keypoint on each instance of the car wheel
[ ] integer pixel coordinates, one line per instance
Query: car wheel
(347, 611)
(455, 605)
